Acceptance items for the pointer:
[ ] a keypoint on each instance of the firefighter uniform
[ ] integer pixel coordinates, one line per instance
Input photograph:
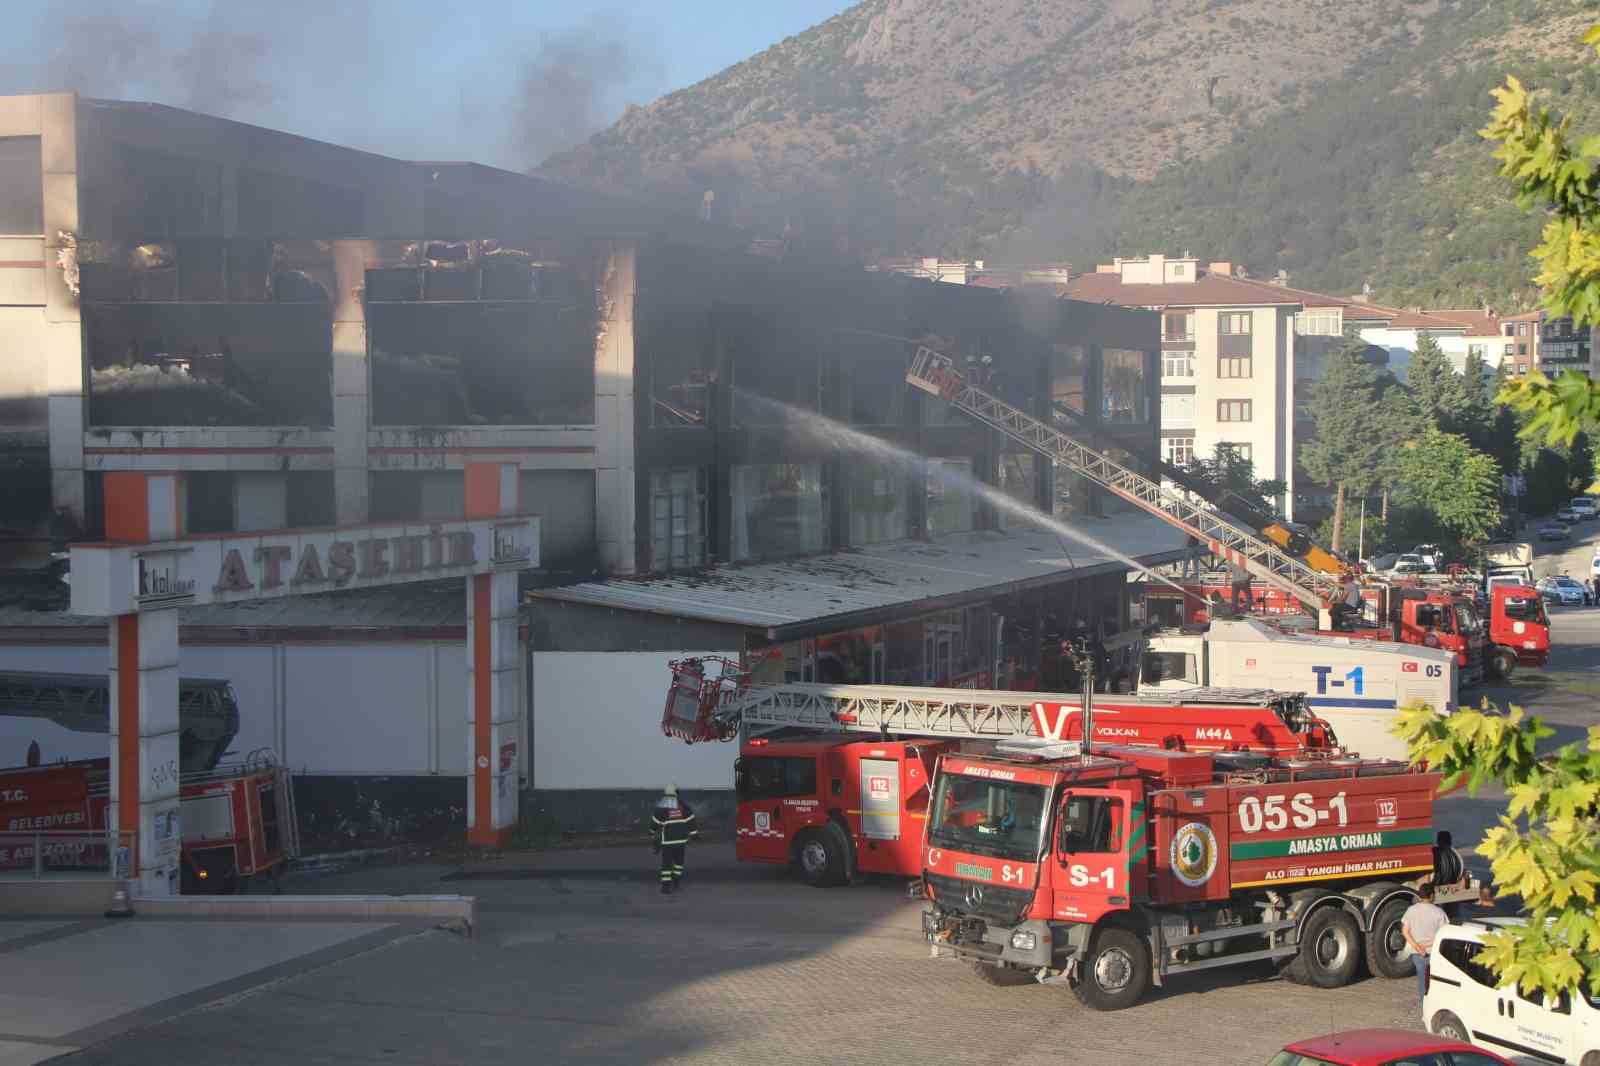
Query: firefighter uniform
(674, 828)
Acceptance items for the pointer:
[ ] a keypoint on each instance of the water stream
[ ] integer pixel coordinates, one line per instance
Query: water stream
(824, 430)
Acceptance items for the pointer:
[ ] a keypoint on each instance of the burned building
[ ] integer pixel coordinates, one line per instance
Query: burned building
(313, 335)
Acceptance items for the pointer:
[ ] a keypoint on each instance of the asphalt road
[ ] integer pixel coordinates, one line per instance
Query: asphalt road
(579, 959)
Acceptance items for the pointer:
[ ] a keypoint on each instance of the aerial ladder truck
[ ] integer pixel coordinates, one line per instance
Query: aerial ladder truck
(1310, 585)
(833, 779)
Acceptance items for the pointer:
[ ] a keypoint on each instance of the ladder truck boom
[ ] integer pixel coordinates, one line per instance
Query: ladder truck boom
(1292, 538)
(711, 699)
(936, 374)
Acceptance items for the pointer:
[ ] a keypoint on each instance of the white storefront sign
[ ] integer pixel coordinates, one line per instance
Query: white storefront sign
(114, 579)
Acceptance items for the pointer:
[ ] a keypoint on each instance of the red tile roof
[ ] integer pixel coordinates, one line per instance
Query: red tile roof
(1208, 290)
(1478, 323)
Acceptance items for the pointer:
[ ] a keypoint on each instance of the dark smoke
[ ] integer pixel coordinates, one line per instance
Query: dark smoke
(566, 90)
(353, 72)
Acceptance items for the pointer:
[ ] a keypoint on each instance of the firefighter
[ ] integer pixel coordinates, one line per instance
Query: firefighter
(674, 828)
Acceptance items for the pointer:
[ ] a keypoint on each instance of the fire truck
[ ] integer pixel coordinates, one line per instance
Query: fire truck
(1110, 868)
(237, 821)
(833, 780)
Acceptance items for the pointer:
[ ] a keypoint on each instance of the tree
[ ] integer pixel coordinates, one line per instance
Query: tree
(1456, 483)
(1546, 848)
(1344, 452)
(1474, 419)
(1399, 419)
(1580, 462)
(1231, 473)
(1440, 393)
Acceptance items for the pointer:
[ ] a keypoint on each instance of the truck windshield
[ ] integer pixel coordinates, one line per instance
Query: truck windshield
(1525, 609)
(1466, 618)
(1005, 819)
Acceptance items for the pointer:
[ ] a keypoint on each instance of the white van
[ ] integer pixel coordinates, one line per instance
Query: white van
(1583, 507)
(1462, 1003)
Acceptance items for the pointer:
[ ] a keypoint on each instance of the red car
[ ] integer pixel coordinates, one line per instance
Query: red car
(1384, 1047)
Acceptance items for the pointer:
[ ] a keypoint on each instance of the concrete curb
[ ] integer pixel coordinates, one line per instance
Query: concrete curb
(442, 909)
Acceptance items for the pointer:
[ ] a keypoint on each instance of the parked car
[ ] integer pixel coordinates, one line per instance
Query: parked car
(1384, 1047)
(1554, 531)
(1568, 592)
(1463, 1003)
(1380, 563)
(1566, 514)
(1409, 563)
(1432, 555)
(1584, 508)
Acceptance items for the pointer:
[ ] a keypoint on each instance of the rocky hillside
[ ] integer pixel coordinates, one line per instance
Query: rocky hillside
(1067, 128)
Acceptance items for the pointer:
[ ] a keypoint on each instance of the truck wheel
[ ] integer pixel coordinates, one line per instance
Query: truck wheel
(1116, 972)
(1502, 663)
(1449, 1026)
(1330, 950)
(821, 855)
(1001, 976)
(1386, 942)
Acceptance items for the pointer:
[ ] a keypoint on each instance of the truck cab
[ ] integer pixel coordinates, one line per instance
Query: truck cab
(833, 806)
(1433, 618)
(1519, 629)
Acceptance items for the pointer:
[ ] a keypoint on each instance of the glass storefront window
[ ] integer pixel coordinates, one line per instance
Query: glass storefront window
(1126, 399)
(779, 510)
(677, 518)
(951, 506)
(1068, 365)
(880, 504)
(1018, 481)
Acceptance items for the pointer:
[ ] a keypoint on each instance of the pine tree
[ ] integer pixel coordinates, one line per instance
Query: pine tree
(1439, 391)
(1348, 447)
(1475, 417)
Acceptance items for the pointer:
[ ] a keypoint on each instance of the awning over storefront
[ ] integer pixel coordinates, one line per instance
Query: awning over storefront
(804, 597)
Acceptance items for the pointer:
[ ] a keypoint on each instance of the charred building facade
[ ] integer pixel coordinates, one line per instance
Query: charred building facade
(313, 335)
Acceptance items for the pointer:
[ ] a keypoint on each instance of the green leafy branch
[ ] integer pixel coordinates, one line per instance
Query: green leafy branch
(1553, 863)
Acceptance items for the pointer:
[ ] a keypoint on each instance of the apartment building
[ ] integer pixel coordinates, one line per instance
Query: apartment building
(312, 335)
(1563, 347)
(1522, 334)
(1228, 356)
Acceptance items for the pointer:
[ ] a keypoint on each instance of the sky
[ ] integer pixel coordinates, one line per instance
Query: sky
(495, 81)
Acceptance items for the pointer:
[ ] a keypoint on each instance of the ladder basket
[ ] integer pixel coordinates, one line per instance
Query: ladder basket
(701, 688)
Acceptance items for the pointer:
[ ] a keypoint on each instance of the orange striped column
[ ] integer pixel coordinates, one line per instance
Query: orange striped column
(142, 508)
(494, 707)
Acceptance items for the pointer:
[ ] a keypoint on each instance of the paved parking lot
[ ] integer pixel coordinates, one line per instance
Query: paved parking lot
(579, 959)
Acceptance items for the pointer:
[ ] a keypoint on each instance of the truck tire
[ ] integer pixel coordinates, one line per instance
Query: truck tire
(1502, 663)
(1450, 1027)
(822, 854)
(1001, 976)
(1116, 973)
(1386, 943)
(1330, 950)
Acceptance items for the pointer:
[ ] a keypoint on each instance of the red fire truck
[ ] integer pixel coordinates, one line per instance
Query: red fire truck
(1112, 869)
(815, 794)
(236, 820)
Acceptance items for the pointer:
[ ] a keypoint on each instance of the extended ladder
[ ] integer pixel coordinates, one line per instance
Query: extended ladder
(936, 374)
(711, 698)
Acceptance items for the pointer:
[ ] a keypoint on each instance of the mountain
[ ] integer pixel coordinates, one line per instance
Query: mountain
(1333, 139)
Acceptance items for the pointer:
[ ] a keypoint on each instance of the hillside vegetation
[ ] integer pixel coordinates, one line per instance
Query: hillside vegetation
(1333, 139)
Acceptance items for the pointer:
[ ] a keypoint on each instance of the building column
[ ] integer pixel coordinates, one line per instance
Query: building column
(65, 366)
(351, 380)
(616, 283)
(144, 811)
(494, 704)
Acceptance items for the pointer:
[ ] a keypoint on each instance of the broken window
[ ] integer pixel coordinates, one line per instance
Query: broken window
(21, 187)
(677, 518)
(773, 369)
(1019, 480)
(681, 368)
(285, 205)
(1068, 369)
(220, 364)
(1126, 399)
(145, 195)
(875, 380)
(479, 335)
